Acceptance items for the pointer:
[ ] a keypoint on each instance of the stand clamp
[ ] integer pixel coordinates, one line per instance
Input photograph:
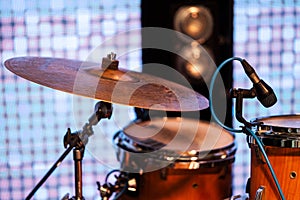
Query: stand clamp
(240, 94)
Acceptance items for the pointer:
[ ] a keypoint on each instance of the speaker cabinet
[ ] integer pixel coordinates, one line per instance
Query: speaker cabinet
(209, 23)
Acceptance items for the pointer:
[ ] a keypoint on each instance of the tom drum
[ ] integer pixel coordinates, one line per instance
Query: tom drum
(176, 158)
(281, 138)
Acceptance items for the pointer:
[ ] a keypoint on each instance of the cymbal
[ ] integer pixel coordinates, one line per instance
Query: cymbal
(113, 85)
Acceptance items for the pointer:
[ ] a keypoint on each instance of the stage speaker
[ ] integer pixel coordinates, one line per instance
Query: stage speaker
(209, 23)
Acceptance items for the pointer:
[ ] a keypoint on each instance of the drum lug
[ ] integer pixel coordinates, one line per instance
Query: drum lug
(259, 155)
(224, 172)
(248, 186)
(260, 193)
(163, 174)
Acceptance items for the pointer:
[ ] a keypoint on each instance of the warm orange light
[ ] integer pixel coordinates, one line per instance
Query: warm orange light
(194, 21)
(194, 71)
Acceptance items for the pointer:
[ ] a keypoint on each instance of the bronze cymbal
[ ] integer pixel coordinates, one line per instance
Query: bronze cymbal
(113, 85)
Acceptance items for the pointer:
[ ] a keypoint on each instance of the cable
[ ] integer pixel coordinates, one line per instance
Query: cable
(111, 172)
(121, 192)
(211, 87)
(259, 143)
(124, 189)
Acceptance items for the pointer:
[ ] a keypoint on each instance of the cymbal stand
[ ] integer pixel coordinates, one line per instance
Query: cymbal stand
(77, 142)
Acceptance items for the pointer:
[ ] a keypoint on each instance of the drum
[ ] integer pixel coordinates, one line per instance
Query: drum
(281, 137)
(176, 158)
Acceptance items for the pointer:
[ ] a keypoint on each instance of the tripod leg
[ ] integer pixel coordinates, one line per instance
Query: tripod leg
(51, 170)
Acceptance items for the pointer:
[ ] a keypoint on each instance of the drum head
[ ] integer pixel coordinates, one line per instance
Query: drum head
(286, 121)
(179, 134)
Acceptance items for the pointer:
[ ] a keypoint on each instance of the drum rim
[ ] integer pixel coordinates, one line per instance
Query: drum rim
(289, 142)
(212, 157)
(277, 136)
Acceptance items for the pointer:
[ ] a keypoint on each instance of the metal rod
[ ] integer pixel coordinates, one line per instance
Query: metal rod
(50, 171)
(78, 155)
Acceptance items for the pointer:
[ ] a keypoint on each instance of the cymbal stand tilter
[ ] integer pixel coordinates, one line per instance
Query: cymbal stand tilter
(77, 142)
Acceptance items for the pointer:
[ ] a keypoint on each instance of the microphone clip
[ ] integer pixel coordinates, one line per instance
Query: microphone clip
(241, 94)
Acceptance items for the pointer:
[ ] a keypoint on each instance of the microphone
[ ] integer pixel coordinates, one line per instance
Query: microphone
(264, 92)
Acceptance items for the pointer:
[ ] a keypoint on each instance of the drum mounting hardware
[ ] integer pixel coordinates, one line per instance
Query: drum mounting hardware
(260, 193)
(240, 94)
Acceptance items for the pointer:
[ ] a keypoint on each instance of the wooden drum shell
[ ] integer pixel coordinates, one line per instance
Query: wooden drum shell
(281, 139)
(286, 165)
(205, 183)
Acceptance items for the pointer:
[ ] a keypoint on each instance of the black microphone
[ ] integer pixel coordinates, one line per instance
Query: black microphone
(264, 92)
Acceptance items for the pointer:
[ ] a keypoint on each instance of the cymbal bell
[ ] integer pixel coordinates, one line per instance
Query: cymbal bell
(109, 84)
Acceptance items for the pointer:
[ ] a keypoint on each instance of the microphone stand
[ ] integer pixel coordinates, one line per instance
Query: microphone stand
(77, 142)
(240, 94)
